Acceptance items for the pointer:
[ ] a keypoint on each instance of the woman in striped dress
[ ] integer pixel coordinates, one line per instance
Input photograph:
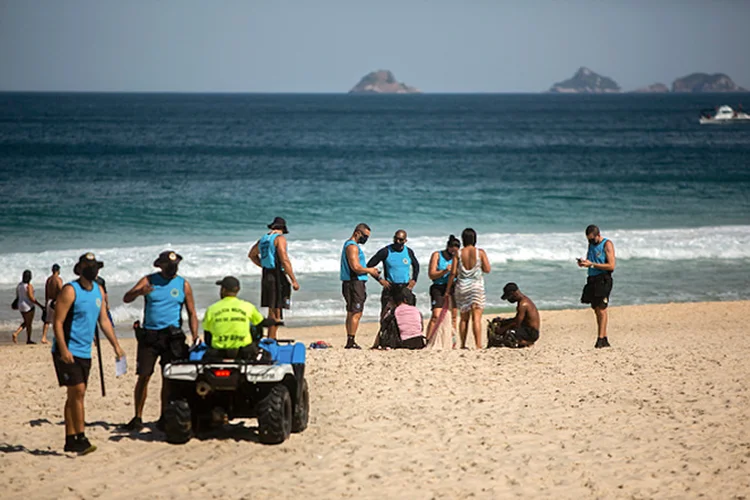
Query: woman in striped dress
(468, 271)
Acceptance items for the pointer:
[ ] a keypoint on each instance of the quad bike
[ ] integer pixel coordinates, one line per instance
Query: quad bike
(271, 386)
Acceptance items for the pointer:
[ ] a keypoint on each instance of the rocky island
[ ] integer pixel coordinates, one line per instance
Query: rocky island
(703, 82)
(586, 81)
(656, 88)
(382, 82)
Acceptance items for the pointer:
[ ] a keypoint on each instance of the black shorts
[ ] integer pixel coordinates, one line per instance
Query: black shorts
(71, 374)
(414, 343)
(167, 345)
(596, 291)
(355, 295)
(437, 296)
(529, 335)
(275, 289)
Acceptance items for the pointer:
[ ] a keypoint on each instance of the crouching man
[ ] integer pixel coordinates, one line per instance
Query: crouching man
(519, 331)
(227, 324)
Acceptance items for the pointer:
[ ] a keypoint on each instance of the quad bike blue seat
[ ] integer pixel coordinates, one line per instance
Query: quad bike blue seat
(286, 352)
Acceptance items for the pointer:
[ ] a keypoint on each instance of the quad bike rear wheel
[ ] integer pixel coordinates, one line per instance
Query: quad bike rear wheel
(178, 423)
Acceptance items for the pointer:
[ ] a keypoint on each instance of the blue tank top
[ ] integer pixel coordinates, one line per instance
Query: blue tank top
(163, 306)
(268, 251)
(346, 273)
(80, 324)
(397, 266)
(597, 256)
(442, 265)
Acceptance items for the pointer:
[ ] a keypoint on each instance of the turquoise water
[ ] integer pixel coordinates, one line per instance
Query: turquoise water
(128, 175)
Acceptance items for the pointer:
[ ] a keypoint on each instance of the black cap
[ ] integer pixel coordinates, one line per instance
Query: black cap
(229, 283)
(508, 290)
(167, 256)
(85, 259)
(278, 223)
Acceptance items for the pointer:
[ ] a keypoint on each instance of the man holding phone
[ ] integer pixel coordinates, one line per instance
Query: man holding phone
(600, 261)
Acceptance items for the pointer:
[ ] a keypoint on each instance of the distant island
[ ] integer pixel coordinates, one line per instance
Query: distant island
(656, 88)
(586, 81)
(703, 82)
(382, 82)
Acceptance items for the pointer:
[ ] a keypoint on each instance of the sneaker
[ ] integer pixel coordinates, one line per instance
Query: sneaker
(135, 424)
(30, 342)
(70, 443)
(602, 342)
(353, 345)
(161, 424)
(605, 342)
(83, 446)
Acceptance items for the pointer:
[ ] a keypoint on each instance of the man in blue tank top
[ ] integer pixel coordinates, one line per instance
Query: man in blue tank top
(353, 277)
(270, 254)
(400, 268)
(161, 336)
(600, 261)
(77, 312)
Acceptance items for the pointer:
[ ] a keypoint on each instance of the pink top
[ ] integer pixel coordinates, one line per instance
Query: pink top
(409, 321)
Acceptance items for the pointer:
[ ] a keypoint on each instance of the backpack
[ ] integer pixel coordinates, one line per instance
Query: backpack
(497, 338)
(389, 335)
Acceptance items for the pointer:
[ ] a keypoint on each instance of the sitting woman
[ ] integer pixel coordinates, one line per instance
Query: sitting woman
(409, 320)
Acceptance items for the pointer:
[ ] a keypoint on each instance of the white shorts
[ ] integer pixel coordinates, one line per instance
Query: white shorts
(50, 317)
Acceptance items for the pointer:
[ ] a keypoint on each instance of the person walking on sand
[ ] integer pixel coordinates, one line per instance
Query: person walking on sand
(51, 290)
(353, 275)
(468, 272)
(270, 254)
(600, 261)
(161, 337)
(26, 301)
(441, 264)
(400, 268)
(79, 309)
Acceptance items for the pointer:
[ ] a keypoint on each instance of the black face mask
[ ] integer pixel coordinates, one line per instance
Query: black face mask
(362, 239)
(592, 241)
(170, 269)
(90, 273)
(398, 245)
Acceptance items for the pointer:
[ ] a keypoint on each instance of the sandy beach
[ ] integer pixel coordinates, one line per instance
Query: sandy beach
(664, 413)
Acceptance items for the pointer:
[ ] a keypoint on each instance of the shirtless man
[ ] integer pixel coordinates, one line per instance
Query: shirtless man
(525, 325)
(51, 291)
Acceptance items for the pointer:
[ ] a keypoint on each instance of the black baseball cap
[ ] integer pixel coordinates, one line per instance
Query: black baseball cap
(508, 290)
(229, 283)
(85, 259)
(167, 256)
(278, 223)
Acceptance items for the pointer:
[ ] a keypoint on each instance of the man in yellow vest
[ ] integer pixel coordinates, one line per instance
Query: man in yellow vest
(227, 323)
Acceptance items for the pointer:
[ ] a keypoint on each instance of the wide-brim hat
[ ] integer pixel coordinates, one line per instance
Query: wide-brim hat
(166, 257)
(279, 223)
(86, 259)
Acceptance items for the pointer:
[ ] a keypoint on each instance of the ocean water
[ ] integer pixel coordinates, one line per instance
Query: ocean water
(129, 175)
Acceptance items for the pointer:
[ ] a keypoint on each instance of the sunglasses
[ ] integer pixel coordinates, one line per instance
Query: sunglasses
(399, 240)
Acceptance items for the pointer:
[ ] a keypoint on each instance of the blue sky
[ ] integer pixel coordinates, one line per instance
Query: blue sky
(327, 45)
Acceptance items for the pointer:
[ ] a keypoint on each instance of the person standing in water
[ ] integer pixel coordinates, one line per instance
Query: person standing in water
(270, 254)
(441, 265)
(468, 272)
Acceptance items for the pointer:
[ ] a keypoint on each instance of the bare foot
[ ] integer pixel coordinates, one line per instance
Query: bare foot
(44, 341)
(15, 338)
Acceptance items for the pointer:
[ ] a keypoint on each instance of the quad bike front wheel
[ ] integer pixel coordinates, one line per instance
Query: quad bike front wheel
(275, 416)
(301, 409)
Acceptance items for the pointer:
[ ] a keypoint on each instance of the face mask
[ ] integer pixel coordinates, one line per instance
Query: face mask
(170, 269)
(90, 273)
(592, 241)
(362, 239)
(512, 300)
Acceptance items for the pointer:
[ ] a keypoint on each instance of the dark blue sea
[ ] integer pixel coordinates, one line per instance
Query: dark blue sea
(129, 175)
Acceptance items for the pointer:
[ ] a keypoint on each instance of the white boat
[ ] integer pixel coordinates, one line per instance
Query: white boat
(724, 114)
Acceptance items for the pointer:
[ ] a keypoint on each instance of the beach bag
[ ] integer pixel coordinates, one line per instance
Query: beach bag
(496, 337)
(14, 304)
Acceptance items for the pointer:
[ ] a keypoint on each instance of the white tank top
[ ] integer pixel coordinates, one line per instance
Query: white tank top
(24, 303)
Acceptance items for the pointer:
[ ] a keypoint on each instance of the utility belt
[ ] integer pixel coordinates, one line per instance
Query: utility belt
(151, 337)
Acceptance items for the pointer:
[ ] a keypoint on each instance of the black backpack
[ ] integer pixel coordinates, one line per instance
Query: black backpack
(389, 335)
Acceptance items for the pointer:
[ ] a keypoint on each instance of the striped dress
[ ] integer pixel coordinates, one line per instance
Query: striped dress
(470, 286)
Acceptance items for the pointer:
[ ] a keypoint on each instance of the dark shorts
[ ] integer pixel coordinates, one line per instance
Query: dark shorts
(167, 345)
(414, 343)
(596, 291)
(71, 374)
(529, 335)
(275, 289)
(437, 295)
(355, 295)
